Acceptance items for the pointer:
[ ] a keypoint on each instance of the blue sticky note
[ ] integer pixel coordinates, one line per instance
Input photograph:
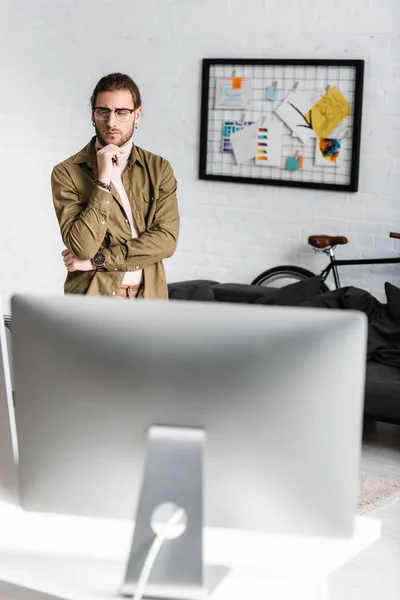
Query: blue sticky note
(293, 163)
(272, 93)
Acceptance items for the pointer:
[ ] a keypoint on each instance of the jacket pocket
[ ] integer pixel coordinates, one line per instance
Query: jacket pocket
(149, 208)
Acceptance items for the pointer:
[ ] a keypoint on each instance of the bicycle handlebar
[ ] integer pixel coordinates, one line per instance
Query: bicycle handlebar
(393, 234)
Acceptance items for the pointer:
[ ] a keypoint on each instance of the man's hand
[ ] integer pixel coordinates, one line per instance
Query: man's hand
(105, 164)
(72, 263)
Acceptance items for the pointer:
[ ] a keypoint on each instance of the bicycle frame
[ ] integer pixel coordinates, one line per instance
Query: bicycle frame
(334, 264)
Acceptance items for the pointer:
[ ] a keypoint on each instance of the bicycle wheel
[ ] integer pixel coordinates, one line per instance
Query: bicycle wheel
(285, 275)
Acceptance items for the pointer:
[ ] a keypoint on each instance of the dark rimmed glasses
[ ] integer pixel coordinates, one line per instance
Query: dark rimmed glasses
(122, 114)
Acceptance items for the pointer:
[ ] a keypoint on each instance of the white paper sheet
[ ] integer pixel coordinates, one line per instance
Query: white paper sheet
(292, 111)
(244, 142)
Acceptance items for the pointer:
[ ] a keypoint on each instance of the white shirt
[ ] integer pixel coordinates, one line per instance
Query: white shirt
(130, 277)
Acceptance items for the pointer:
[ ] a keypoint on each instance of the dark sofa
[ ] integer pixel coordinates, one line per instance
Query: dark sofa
(382, 392)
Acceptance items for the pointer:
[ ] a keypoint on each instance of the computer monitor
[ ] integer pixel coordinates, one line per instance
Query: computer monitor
(273, 397)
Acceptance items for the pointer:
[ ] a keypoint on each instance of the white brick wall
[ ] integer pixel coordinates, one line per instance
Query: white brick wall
(53, 52)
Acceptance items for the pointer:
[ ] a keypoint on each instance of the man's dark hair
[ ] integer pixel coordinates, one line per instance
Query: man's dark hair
(117, 81)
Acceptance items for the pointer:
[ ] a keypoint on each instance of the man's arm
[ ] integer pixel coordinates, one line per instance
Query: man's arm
(83, 226)
(159, 241)
(72, 263)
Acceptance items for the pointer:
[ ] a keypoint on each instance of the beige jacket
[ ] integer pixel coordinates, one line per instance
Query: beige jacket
(92, 219)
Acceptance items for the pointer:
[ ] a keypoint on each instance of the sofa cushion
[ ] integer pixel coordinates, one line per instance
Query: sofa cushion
(197, 289)
(241, 292)
(348, 298)
(393, 301)
(293, 294)
(382, 391)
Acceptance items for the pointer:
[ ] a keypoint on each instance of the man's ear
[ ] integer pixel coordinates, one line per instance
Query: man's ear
(138, 116)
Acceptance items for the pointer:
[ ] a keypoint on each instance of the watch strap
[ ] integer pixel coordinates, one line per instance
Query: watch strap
(105, 186)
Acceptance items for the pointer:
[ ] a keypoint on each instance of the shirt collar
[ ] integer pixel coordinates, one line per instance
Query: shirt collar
(88, 155)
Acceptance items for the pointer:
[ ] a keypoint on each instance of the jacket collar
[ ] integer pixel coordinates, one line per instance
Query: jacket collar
(88, 156)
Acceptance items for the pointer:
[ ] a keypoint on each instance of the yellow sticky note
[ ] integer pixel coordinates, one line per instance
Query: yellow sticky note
(237, 83)
(328, 112)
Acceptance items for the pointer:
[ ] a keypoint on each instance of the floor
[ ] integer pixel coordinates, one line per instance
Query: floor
(375, 574)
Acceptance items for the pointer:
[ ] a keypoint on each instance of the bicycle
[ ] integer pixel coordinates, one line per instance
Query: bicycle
(327, 244)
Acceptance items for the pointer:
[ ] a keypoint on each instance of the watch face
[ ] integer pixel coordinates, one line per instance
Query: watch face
(99, 259)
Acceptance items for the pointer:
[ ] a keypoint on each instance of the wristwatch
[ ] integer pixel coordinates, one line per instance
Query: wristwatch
(98, 261)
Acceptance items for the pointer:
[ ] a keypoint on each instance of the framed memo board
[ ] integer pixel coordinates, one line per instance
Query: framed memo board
(294, 122)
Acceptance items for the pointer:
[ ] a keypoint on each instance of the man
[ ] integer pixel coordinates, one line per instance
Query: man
(116, 203)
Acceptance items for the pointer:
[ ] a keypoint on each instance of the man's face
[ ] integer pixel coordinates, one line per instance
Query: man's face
(110, 130)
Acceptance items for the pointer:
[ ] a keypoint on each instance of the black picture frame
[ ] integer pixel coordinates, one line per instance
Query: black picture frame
(357, 65)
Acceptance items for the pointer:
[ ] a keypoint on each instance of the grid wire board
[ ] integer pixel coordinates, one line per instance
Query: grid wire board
(313, 76)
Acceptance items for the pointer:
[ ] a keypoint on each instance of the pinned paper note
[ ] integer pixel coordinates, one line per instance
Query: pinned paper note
(329, 112)
(237, 83)
(244, 142)
(328, 152)
(299, 157)
(230, 127)
(293, 163)
(269, 143)
(272, 92)
(293, 111)
(227, 96)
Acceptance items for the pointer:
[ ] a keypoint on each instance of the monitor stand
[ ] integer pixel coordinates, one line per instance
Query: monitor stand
(173, 474)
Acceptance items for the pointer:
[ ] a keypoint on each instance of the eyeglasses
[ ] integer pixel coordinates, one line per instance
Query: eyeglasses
(122, 114)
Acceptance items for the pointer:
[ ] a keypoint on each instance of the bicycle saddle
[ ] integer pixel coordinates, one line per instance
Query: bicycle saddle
(323, 241)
